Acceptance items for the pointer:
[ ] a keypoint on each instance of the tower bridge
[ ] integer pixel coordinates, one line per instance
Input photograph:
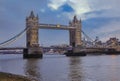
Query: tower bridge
(33, 49)
(33, 25)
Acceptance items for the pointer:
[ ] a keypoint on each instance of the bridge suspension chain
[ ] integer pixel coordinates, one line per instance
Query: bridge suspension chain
(94, 43)
(11, 40)
(88, 38)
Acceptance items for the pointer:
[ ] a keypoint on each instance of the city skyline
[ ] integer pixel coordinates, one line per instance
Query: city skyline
(98, 18)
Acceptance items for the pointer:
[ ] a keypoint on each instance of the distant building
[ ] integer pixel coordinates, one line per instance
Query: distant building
(113, 42)
(98, 43)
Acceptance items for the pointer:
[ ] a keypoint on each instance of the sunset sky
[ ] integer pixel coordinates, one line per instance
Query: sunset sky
(99, 18)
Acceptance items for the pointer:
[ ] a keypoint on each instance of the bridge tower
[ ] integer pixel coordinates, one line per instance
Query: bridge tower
(32, 41)
(75, 35)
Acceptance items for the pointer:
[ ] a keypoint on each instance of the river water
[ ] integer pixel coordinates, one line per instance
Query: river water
(62, 68)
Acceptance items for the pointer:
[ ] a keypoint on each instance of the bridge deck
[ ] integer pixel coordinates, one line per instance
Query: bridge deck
(99, 48)
(15, 48)
(12, 48)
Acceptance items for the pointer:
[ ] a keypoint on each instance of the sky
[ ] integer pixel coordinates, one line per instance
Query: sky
(99, 18)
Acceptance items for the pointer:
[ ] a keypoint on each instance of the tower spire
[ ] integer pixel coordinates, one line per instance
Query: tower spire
(32, 14)
(75, 19)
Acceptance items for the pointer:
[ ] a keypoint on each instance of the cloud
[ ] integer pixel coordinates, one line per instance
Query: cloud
(42, 10)
(55, 4)
(110, 27)
(79, 7)
(67, 8)
(108, 8)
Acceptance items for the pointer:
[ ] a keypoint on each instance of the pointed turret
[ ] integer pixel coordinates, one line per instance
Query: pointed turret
(32, 14)
(75, 20)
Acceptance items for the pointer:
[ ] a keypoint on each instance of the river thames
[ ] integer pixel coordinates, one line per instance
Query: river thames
(62, 68)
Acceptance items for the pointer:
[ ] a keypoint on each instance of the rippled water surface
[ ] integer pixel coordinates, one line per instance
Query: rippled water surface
(62, 68)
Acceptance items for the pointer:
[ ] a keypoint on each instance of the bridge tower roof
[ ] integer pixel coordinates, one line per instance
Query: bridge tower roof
(32, 14)
(75, 19)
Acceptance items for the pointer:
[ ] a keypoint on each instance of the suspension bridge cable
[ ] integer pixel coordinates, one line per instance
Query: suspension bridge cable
(13, 38)
(9, 42)
(90, 39)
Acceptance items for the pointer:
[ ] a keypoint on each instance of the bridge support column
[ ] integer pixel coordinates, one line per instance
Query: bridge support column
(76, 39)
(32, 53)
(72, 37)
(75, 35)
(33, 50)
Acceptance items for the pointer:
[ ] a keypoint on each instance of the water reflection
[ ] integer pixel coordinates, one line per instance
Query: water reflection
(32, 69)
(75, 69)
(61, 68)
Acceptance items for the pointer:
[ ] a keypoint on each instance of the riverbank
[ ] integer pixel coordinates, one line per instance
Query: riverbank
(13, 77)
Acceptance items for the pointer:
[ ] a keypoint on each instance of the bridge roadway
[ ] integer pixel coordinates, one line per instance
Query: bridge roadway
(55, 26)
(20, 48)
(99, 48)
(12, 48)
